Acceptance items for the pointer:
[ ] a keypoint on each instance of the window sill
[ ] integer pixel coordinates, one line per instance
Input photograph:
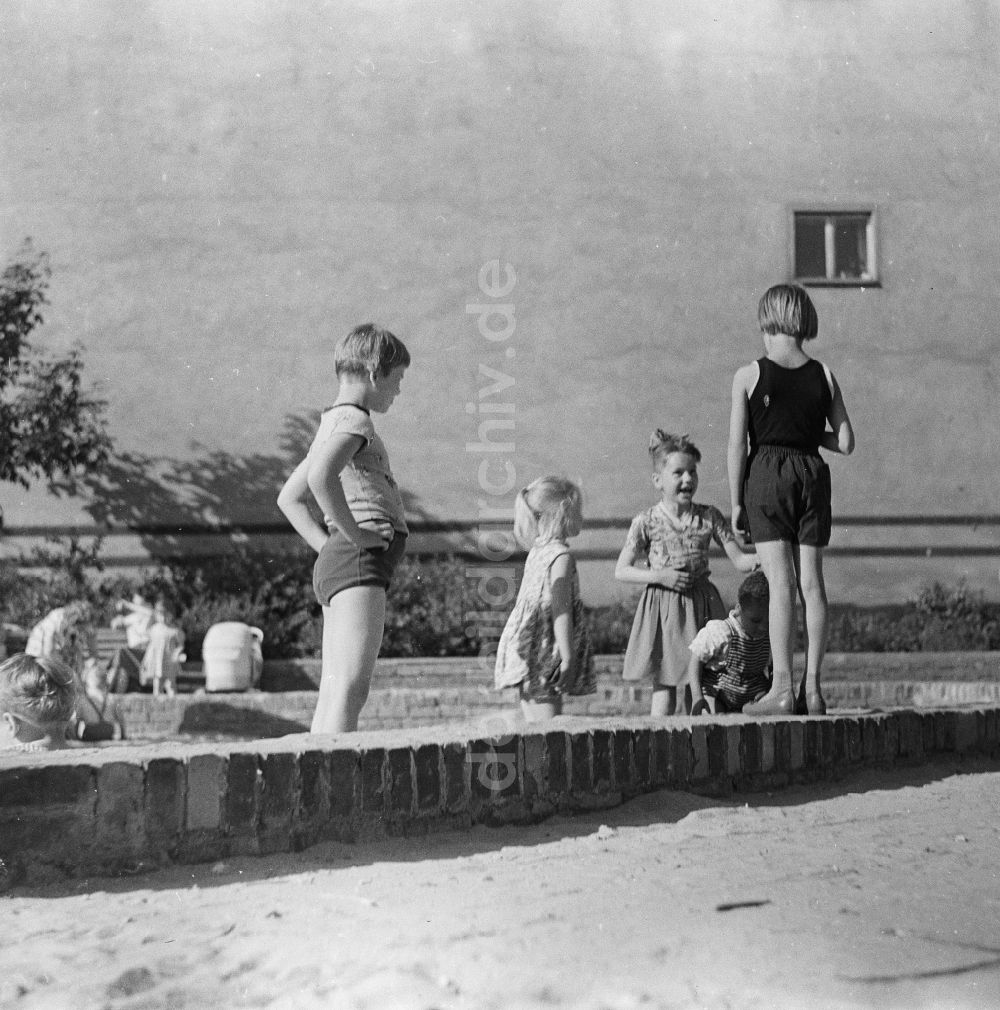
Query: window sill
(824, 282)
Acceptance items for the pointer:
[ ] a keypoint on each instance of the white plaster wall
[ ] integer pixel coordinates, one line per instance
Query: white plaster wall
(226, 187)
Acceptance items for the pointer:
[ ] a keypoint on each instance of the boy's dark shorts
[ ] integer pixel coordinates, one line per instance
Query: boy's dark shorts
(787, 497)
(343, 565)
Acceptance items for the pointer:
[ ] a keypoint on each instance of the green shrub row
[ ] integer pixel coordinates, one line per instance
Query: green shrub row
(940, 619)
(434, 608)
(426, 616)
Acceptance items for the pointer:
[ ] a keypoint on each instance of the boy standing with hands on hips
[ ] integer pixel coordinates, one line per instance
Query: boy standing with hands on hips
(787, 406)
(347, 473)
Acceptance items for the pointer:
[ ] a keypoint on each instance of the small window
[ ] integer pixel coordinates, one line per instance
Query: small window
(834, 247)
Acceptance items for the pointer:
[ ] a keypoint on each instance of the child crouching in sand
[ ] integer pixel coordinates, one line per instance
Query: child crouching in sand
(735, 654)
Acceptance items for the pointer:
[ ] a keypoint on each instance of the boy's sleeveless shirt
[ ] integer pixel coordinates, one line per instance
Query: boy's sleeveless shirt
(369, 487)
(789, 406)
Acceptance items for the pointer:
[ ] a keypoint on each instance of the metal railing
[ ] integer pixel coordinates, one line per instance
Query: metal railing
(165, 541)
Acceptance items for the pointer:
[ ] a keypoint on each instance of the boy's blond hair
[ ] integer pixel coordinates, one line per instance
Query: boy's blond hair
(40, 688)
(370, 350)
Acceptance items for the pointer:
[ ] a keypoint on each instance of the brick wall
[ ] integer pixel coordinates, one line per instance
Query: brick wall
(426, 692)
(303, 674)
(129, 808)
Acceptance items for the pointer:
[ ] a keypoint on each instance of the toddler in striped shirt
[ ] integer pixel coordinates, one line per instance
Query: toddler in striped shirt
(734, 655)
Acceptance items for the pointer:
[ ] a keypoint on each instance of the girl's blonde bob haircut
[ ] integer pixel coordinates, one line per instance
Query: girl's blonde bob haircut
(786, 308)
(40, 688)
(370, 350)
(547, 509)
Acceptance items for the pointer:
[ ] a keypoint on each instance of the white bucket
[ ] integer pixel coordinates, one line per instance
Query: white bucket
(231, 656)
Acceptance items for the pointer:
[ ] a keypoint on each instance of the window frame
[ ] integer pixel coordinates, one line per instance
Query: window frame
(872, 280)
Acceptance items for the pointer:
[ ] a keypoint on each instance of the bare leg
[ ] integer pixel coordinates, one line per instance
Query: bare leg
(353, 625)
(664, 701)
(777, 558)
(541, 711)
(814, 600)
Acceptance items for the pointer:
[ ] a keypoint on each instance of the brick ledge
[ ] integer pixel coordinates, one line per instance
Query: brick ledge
(103, 811)
(303, 674)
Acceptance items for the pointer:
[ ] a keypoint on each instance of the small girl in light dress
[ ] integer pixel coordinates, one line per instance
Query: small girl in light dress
(667, 552)
(162, 661)
(545, 647)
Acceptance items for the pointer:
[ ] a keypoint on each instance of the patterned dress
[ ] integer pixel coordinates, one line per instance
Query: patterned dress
(527, 650)
(667, 621)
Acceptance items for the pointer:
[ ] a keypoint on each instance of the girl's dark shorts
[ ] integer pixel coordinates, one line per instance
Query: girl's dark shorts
(787, 497)
(343, 565)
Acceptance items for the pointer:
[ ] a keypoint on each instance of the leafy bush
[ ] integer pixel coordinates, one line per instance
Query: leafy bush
(282, 608)
(430, 606)
(59, 573)
(871, 629)
(427, 610)
(51, 425)
(272, 592)
(610, 626)
(269, 591)
(941, 619)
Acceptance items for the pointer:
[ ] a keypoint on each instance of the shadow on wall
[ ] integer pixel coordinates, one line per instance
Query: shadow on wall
(235, 720)
(207, 504)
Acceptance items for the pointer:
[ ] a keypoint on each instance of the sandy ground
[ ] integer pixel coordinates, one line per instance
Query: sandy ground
(879, 891)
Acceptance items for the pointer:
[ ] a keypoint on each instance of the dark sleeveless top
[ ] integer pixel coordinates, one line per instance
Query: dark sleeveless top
(789, 406)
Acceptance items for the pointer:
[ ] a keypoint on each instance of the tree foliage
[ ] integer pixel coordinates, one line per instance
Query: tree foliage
(50, 424)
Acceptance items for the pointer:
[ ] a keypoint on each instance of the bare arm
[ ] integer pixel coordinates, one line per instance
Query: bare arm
(694, 679)
(739, 423)
(743, 561)
(841, 436)
(323, 477)
(709, 646)
(626, 570)
(293, 500)
(562, 617)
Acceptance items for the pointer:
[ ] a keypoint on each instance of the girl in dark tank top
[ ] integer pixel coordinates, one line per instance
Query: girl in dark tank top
(786, 406)
(789, 406)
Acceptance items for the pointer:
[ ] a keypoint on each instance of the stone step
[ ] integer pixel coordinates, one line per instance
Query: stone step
(259, 714)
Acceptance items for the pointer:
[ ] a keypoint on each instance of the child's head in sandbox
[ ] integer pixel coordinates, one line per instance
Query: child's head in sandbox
(37, 701)
(753, 598)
